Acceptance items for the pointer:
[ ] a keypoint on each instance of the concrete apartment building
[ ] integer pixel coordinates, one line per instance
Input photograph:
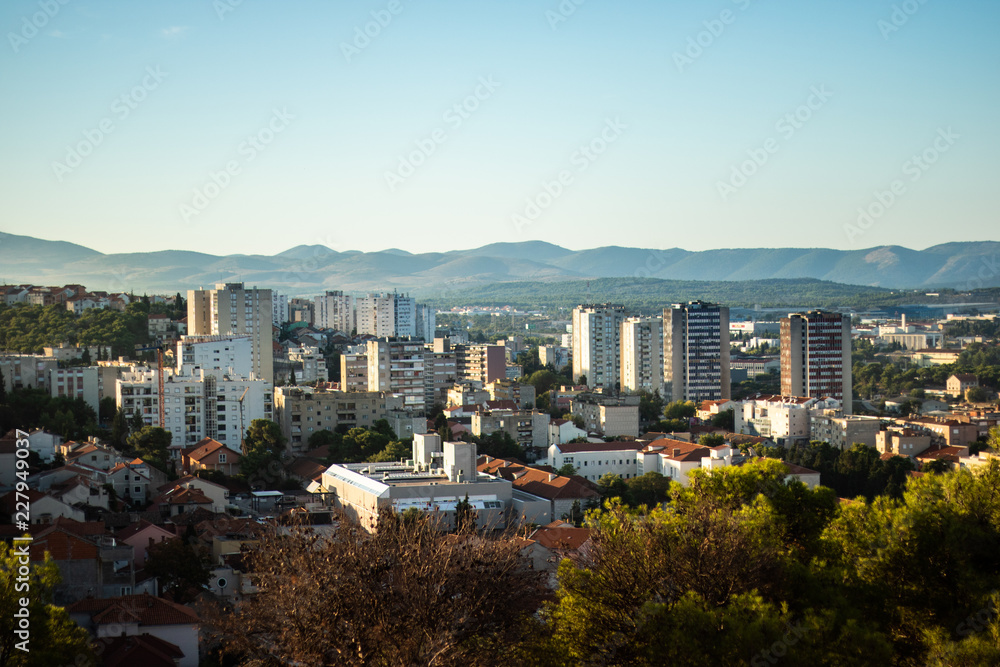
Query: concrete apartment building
(439, 477)
(597, 344)
(507, 390)
(902, 441)
(528, 428)
(843, 431)
(397, 366)
(783, 419)
(608, 415)
(279, 309)
(231, 308)
(480, 363)
(440, 371)
(816, 356)
(354, 368)
(77, 382)
(335, 310)
(312, 361)
(642, 354)
(960, 383)
(696, 352)
(197, 403)
(302, 411)
(555, 355)
(387, 315)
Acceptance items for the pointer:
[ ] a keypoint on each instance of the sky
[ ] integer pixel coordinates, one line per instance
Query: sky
(245, 126)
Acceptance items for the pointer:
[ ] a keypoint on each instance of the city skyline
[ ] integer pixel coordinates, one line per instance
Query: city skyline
(212, 126)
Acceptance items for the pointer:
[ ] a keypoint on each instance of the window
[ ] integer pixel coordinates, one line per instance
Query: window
(138, 489)
(222, 458)
(126, 590)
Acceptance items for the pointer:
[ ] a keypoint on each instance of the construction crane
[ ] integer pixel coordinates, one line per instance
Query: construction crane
(159, 380)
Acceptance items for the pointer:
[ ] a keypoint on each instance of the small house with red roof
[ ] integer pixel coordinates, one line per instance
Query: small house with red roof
(209, 454)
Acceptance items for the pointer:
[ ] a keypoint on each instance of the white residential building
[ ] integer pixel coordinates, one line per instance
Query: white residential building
(76, 382)
(397, 366)
(780, 418)
(197, 404)
(387, 315)
(597, 344)
(642, 354)
(279, 309)
(220, 355)
(231, 308)
(595, 459)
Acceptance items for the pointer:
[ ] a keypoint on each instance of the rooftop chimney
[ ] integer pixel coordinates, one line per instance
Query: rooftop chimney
(677, 451)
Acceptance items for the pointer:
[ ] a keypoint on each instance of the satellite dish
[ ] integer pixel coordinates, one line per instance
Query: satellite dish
(222, 583)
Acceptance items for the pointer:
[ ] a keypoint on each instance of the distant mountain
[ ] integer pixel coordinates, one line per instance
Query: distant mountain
(308, 269)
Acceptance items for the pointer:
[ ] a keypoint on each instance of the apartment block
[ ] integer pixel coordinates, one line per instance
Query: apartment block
(354, 369)
(816, 356)
(556, 356)
(76, 382)
(696, 352)
(302, 411)
(597, 344)
(197, 404)
(230, 309)
(843, 431)
(642, 354)
(387, 315)
(397, 366)
(480, 363)
(335, 310)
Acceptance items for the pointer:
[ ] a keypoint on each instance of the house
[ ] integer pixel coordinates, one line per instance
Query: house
(564, 430)
(209, 454)
(959, 383)
(674, 459)
(548, 545)
(95, 455)
(216, 493)
(902, 441)
(42, 508)
(81, 491)
(709, 409)
(951, 455)
(145, 650)
(90, 561)
(136, 615)
(140, 536)
(559, 491)
(131, 481)
(181, 500)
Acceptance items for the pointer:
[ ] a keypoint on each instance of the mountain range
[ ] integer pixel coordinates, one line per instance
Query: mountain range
(306, 270)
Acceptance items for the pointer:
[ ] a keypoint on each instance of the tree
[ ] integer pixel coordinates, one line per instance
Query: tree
(711, 440)
(136, 422)
(611, 485)
(725, 419)
(152, 445)
(976, 395)
(680, 410)
(119, 429)
(650, 489)
(396, 450)
(54, 639)
(406, 594)
(465, 516)
(543, 380)
(182, 569)
(566, 470)
(265, 435)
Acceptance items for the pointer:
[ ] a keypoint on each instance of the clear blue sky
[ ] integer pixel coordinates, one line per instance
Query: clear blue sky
(666, 179)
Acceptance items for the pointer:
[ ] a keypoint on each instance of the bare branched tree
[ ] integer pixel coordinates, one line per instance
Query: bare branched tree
(409, 594)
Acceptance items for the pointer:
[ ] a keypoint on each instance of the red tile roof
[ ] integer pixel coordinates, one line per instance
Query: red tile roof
(63, 546)
(536, 482)
(561, 538)
(617, 446)
(203, 448)
(149, 610)
(145, 650)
